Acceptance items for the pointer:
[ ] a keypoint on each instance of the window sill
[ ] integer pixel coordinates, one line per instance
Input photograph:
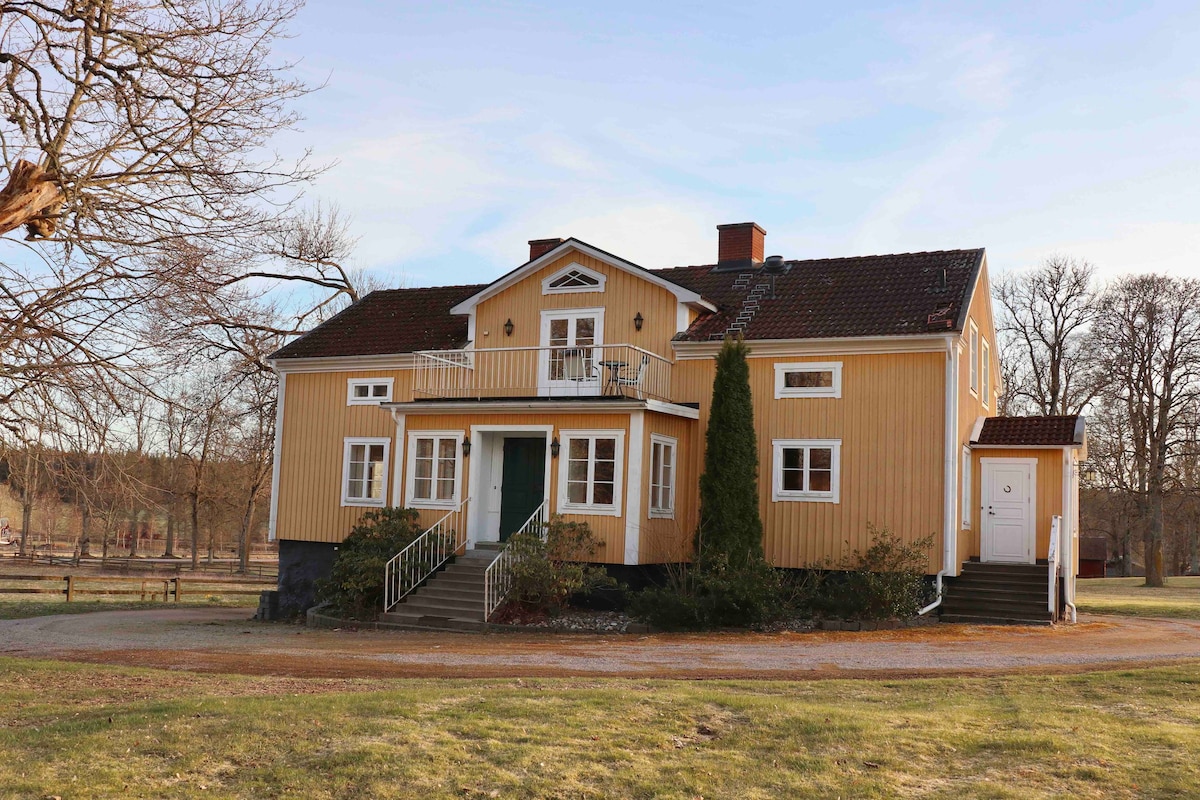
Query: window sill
(807, 395)
(349, 502)
(593, 511)
(800, 497)
(660, 513)
(433, 504)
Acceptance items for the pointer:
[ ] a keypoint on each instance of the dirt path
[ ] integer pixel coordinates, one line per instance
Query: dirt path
(223, 640)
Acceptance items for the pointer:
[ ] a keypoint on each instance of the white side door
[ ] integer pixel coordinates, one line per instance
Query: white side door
(1009, 506)
(569, 364)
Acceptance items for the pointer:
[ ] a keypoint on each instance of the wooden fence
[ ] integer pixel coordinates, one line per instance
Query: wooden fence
(168, 589)
(258, 569)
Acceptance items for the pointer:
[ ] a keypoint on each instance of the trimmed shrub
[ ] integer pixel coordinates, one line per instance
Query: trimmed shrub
(885, 581)
(546, 572)
(354, 587)
(715, 593)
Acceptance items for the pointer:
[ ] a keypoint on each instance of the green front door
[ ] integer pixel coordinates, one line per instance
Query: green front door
(523, 485)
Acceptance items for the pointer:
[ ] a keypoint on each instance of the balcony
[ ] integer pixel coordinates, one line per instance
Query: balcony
(600, 371)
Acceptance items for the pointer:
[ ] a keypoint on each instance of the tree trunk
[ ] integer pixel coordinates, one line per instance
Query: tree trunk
(85, 532)
(169, 552)
(133, 535)
(195, 501)
(244, 539)
(1153, 553)
(32, 199)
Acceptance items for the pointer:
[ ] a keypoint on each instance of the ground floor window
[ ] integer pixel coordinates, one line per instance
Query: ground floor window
(434, 476)
(589, 479)
(806, 470)
(662, 476)
(364, 471)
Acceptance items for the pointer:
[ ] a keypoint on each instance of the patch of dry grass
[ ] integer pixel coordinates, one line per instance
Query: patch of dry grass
(1180, 598)
(83, 731)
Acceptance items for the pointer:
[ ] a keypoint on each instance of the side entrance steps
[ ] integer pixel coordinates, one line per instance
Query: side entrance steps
(998, 594)
(452, 599)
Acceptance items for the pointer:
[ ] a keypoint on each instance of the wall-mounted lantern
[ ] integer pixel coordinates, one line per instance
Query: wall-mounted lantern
(466, 445)
(637, 321)
(508, 327)
(554, 448)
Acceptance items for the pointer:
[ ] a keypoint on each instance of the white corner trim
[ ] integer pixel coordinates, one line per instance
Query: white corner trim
(600, 278)
(781, 495)
(398, 461)
(410, 469)
(273, 517)
(950, 469)
(370, 383)
(562, 505)
(347, 443)
(782, 391)
(633, 508)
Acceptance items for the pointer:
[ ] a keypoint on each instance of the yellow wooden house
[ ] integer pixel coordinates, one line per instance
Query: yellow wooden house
(578, 384)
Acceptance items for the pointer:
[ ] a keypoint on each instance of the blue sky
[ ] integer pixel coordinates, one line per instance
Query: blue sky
(461, 130)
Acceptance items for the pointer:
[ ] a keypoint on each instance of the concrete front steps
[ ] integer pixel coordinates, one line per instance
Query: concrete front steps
(998, 594)
(452, 599)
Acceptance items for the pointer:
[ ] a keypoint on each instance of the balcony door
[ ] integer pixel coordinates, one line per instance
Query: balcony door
(569, 362)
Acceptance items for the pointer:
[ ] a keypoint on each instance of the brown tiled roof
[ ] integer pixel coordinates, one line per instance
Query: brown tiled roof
(1062, 431)
(388, 322)
(891, 295)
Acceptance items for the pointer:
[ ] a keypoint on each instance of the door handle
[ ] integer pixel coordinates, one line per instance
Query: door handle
(990, 512)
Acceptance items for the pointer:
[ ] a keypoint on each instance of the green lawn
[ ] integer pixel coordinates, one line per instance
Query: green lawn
(1180, 598)
(82, 731)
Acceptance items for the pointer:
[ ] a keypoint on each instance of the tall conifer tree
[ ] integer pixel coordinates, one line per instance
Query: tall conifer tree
(730, 524)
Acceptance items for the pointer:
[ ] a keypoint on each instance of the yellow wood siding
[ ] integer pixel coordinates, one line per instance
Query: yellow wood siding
(611, 530)
(890, 421)
(316, 422)
(670, 540)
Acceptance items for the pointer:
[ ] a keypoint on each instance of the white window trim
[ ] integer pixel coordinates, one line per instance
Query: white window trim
(351, 400)
(779, 494)
(347, 443)
(574, 266)
(410, 471)
(665, 441)
(967, 504)
(985, 371)
(782, 390)
(567, 507)
(973, 349)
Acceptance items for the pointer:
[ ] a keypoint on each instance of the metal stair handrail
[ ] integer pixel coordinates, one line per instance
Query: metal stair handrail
(1052, 557)
(498, 577)
(425, 555)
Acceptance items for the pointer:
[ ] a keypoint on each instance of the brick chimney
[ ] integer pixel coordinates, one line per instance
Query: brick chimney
(538, 247)
(740, 243)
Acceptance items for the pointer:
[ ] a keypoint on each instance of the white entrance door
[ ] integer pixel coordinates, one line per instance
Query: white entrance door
(1009, 510)
(569, 365)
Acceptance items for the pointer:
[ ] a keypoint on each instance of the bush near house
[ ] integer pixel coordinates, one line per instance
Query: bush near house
(354, 587)
(885, 581)
(548, 571)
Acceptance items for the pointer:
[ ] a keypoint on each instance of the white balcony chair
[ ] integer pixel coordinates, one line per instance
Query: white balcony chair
(635, 380)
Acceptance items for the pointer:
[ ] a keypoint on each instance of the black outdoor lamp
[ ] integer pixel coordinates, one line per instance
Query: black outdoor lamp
(554, 448)
(637, 321)
(466, 445)
(508, 326)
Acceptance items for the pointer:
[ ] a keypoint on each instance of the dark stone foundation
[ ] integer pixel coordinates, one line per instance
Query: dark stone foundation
(300, 565)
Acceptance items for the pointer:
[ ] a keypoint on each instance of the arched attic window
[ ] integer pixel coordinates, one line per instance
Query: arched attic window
(573, 278)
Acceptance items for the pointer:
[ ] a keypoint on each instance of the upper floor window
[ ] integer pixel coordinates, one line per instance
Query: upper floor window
(974, 368)
(364, 471)
(985, 369)
(808, 380)
(572, 279)
(368, 391)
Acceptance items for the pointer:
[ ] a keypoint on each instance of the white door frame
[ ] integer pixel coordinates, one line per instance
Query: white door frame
(591, 386)
(986, 519)
(477, 521)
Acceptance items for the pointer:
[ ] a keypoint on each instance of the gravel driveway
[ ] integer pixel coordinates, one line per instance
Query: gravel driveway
(223, 640)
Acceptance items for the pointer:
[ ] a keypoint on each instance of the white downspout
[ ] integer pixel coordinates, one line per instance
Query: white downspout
(1070, 509)
(950, 522)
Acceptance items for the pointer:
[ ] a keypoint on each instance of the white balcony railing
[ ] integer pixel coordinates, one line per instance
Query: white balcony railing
(609, 370)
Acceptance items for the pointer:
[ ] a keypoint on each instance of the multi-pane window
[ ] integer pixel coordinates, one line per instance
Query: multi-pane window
(806, 469)
(364, 472)
(985, 367)
(808, 380)
(573, 279)
(433, 470)
(974, 358)
(662, 476)
(590, 471)
(368, 392)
